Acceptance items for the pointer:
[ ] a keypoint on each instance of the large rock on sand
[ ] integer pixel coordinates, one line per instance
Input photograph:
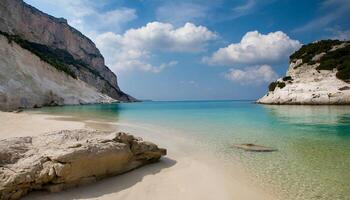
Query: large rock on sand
(65, 159)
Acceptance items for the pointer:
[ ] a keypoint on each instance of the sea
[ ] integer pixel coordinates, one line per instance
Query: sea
(312, 160)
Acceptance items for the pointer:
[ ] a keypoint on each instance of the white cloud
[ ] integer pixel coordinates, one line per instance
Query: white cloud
(244, 9)
(208, 11)
(252, 75)
(94, 22)
(164, 36)
(169, 12)
(134, 49)
(255, 48)
(86, 15)
(248, 7)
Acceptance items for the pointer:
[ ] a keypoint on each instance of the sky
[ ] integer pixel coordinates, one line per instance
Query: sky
(201, 49)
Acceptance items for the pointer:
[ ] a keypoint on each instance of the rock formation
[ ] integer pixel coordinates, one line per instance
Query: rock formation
(26, 81)
(319, 73)
(58, 44)
(64, 159)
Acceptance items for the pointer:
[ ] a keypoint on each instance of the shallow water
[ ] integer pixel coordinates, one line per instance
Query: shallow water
(313, 142)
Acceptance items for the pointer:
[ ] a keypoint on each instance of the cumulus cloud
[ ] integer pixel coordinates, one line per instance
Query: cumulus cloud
(134, 49)
(252, 75)
(88, 16)
(157, 35)
(255, 48)
(93, 22)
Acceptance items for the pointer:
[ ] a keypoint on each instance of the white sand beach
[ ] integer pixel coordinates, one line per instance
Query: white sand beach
(180, 175)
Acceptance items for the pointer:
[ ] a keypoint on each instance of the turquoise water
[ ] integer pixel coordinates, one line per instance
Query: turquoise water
(313, 142)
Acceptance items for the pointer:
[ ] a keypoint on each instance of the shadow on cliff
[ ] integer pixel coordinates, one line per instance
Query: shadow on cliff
(105, 186)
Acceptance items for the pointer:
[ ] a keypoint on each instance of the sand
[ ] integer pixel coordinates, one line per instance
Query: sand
(183, 174)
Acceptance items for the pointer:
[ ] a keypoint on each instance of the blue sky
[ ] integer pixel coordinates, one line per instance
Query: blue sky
(201, 49)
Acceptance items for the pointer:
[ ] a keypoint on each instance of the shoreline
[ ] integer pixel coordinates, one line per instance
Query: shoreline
(177, 176)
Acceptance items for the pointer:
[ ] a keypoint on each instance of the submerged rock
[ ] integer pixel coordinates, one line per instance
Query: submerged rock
(254, 147)
(65, 159)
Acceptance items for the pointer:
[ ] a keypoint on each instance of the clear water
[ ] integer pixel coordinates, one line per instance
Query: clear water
(313, 142)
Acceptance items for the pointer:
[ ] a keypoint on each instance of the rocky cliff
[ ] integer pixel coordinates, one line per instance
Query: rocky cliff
(319, 73)
(77, 53)
(26, 81)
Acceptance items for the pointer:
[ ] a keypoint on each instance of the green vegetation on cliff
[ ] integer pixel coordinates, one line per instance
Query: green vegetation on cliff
(58, 58)
(307, 52)
(287, 78)
(339, 58)
(275, 84)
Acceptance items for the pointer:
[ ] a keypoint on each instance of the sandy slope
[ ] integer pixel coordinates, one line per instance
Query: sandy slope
(180, 175)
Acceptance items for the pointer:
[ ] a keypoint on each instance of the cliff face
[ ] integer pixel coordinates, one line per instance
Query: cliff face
(319, 73)
(26, 81)
(18, 18)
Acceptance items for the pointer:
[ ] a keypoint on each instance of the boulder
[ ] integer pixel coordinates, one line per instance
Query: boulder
(64, 159)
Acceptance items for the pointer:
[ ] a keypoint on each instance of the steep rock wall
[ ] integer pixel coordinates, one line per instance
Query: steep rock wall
(26, 81)
(19, 18)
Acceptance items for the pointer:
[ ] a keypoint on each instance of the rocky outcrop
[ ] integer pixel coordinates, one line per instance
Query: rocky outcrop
(26, 81)
(18, 18)
(63, 159)
(319, 73)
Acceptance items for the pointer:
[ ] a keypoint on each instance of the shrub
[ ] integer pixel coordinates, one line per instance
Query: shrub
(339, 59)
(281, 84)
(272, 86)
(344, 72)
(307, 52)
(287, 78)
(275, 84)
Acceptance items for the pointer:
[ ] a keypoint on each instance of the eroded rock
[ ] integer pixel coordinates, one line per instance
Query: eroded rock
(64, 159)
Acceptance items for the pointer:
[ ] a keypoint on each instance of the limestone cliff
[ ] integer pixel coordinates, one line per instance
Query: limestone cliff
(26, 81)
(26, 22)
(319, 73)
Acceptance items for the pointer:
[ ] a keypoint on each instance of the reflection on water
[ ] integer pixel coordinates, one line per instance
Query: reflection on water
(298, 114)
(324, 119)
(313, 161)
